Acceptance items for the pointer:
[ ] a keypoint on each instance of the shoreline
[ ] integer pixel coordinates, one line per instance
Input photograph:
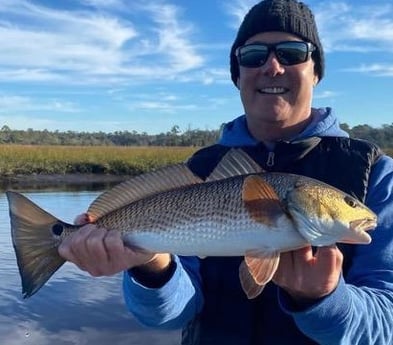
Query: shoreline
(60, 181)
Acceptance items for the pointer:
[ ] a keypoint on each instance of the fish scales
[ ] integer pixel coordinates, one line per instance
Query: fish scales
(204, 219)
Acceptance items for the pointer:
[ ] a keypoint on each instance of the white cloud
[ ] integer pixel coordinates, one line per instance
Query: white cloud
(345, 26)
(325, 94)
(86, 45)
(161, 106)
(173, 37)
(51, 43)
(53, 123)
(10, 104)
(30, 74)
(238, 9)
(376, 70)
(110, 4)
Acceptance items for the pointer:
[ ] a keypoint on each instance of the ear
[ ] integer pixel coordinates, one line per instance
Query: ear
(315, 80)
(238, 83)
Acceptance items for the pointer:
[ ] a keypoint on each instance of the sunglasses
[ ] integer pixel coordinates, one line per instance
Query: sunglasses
(287, 53)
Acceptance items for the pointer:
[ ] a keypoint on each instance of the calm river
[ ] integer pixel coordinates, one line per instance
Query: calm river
(72, 308)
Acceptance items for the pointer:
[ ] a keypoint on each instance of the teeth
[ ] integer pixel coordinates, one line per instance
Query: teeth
(272, 90)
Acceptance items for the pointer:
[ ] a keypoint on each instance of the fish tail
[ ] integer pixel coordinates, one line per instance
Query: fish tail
(35, 237)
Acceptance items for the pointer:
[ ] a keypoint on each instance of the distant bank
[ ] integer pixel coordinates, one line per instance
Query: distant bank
(32, 165)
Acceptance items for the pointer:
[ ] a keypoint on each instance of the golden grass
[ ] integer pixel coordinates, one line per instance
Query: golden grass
(26, 159)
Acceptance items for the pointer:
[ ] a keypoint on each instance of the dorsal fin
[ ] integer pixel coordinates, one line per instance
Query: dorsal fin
(158, 181)
(235, 162)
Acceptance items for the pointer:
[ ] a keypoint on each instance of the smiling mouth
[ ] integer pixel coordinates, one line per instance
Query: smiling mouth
(273, 90)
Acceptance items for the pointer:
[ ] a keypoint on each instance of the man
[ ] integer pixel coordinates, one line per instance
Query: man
(329, 295)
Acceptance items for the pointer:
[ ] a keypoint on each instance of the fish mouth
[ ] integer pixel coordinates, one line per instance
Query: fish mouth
(363, 224)
(359, 228)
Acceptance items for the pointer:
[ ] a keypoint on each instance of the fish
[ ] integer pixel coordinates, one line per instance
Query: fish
(238, 210)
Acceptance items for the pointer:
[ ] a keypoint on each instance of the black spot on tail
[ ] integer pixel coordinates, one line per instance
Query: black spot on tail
(57, 229)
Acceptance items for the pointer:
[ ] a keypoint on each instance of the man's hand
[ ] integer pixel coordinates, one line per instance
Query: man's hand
(306, 277)
(102, 252)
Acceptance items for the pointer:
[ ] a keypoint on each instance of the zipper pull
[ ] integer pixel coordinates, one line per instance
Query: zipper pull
(270, 159)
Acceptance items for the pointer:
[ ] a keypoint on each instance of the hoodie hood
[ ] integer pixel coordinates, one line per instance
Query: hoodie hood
(324, 124)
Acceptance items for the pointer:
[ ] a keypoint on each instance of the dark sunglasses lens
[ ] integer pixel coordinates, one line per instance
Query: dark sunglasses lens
(291, 53)
(287, 53)
(252, 55)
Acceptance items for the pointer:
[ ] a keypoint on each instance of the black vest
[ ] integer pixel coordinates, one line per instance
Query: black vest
(228, 317)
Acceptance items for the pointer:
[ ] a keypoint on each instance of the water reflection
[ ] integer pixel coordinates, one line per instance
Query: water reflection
(72, 308)
(59, 183)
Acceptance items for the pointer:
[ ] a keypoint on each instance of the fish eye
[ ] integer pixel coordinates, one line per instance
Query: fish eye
(57, 229)
(351, 201)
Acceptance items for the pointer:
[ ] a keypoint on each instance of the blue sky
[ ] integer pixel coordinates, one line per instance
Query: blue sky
(110, 65)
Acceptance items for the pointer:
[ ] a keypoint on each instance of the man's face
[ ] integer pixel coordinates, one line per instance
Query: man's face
(276, 97)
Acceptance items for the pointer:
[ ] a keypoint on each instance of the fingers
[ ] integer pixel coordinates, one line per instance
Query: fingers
(101, 252)
(329, 256)
(307, 276)
(324, 256)
(289, 261)
(86, 248)
(119, 257)
(293, 257)
(303, 254)
(80, 246)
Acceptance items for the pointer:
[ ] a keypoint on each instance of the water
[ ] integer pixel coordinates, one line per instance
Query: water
(72, 308)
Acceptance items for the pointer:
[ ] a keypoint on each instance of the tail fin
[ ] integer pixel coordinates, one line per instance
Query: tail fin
(35, 237)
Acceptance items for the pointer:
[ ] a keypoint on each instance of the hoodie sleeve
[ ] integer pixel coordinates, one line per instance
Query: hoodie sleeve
(170, 306)
(360, 310)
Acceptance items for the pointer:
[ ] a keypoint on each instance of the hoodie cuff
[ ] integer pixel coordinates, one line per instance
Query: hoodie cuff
(322, 313)
(153, 279)
(137, 285)
(160, 306)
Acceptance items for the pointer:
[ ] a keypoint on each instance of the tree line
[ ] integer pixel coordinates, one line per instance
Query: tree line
(383, 136)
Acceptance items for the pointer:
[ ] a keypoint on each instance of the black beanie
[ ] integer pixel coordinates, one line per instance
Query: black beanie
(288, 16)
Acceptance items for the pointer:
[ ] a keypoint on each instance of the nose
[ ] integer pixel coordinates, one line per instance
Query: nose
(272, 66)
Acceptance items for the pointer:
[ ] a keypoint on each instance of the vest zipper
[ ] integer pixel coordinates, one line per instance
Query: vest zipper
(270, 159)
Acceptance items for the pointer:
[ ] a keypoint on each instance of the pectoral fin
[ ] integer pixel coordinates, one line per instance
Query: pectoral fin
(250, 287)
(261, 200)
(257, 270)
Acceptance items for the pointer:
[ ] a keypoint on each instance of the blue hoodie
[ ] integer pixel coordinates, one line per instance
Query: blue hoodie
(361, 314)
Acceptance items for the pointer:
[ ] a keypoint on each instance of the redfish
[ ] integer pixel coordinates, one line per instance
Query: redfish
(239, 210)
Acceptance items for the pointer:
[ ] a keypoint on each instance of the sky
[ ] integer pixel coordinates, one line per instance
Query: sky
(146, 66)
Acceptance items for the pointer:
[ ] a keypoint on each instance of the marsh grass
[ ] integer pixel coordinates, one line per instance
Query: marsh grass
(25, 159)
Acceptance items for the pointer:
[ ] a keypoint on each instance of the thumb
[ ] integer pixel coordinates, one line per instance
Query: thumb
(82, 219)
